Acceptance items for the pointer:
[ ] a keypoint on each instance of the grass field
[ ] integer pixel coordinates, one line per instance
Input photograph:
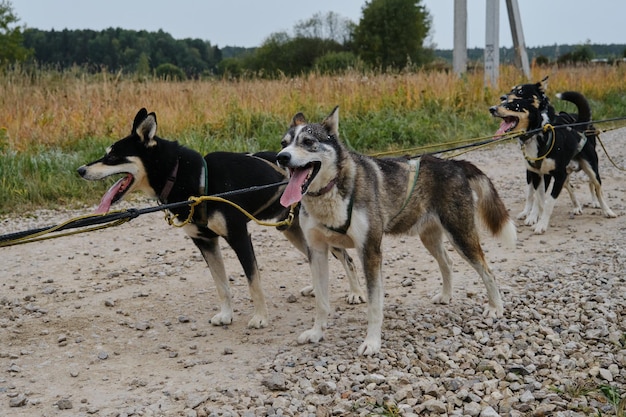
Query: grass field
(54, 122)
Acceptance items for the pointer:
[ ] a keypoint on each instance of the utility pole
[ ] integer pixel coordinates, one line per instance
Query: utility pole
(492, 43)
(459, 53)
(515, 21)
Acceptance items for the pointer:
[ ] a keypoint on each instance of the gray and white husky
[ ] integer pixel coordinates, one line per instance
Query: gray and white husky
(350, 200)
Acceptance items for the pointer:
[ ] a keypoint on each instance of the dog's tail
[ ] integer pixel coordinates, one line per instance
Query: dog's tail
(580, 101)
(584, 114)
(491, 209)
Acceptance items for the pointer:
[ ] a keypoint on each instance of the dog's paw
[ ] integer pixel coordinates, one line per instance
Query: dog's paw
(311, 336)
(609, 214)
(258, 321)
(577, 211)
(530, 220)
(369, 347)
(493, 312)
(540, 228)
(522, 215)
(355, 298)
(307, 291)
(222, 319)
(441, 298)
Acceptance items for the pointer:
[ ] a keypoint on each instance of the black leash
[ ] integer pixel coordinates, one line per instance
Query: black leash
(118, 216)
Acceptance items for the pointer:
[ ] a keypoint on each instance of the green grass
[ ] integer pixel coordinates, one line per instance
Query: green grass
(42, 145)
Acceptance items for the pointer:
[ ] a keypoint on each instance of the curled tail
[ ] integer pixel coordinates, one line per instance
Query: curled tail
(584, 114)
(491, 209)
(581, 103)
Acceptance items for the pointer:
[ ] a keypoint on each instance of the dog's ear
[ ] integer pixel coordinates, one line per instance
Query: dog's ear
(146, 130)
(141, 114)
(331, 122)
(543, 85)
(298, 120)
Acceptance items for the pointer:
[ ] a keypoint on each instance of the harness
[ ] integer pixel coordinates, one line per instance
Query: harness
(550, 134)
(169, 184)
(414, 165)
(203, 188)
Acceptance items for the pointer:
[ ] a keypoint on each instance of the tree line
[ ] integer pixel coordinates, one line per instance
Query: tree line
(389, 36)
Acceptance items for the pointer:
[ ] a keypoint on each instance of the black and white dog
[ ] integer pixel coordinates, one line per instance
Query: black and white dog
(165, 170)
(551, 153)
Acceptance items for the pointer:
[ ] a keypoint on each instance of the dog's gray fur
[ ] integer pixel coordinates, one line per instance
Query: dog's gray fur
(445, 199)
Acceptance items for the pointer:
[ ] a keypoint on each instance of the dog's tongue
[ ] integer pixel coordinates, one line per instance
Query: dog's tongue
(293, 191)
(107, 198)
(504, 125)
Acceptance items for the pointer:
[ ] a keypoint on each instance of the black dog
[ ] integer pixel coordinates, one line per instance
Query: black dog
(551, 149)
(172, 173)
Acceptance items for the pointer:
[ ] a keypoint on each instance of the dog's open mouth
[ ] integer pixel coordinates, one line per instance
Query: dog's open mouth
(508, 124)
(115, 193)
(299, 180)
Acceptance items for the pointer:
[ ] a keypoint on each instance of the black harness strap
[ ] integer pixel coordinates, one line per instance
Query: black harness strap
(169, 184)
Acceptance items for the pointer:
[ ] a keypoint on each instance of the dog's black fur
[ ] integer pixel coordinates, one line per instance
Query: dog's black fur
(553, 153)
(148, 163)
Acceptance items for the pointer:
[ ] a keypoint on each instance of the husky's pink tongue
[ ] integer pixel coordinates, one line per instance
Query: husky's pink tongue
(107, 199)
(293, 191)
(504, 125)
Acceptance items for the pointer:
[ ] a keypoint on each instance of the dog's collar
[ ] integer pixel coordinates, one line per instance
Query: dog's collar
(324, 190)
(169, 184)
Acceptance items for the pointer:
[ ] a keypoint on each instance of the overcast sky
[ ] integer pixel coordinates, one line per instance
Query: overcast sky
(249, 22)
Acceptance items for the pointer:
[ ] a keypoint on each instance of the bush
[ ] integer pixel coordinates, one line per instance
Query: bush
(170, 72)
(336, 62)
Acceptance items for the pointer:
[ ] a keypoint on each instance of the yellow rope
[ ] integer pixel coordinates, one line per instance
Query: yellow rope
(539, 158)
(195, 201)
(607, 154)
(35, 237)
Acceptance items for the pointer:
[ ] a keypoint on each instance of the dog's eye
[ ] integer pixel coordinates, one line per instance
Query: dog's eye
(308, 142)
(284, 143)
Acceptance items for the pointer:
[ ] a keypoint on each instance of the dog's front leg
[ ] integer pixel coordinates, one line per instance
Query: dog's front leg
(538, 201)
(319, 275)
(372, 266)
(530, 197)
(210, 249)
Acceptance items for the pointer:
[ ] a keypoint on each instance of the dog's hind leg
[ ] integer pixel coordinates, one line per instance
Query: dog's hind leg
(578, 209)
(595, 186)
(356, 295)
(464, 237)
(432, 238)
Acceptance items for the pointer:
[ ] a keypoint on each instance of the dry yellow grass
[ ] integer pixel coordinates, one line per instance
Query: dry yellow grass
(60, 109)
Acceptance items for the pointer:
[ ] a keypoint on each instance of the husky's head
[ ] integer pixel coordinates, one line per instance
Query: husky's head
(525, 107)
(310, 153)
(125, 157)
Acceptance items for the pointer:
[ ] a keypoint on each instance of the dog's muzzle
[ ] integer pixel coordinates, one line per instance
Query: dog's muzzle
(283, 159)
